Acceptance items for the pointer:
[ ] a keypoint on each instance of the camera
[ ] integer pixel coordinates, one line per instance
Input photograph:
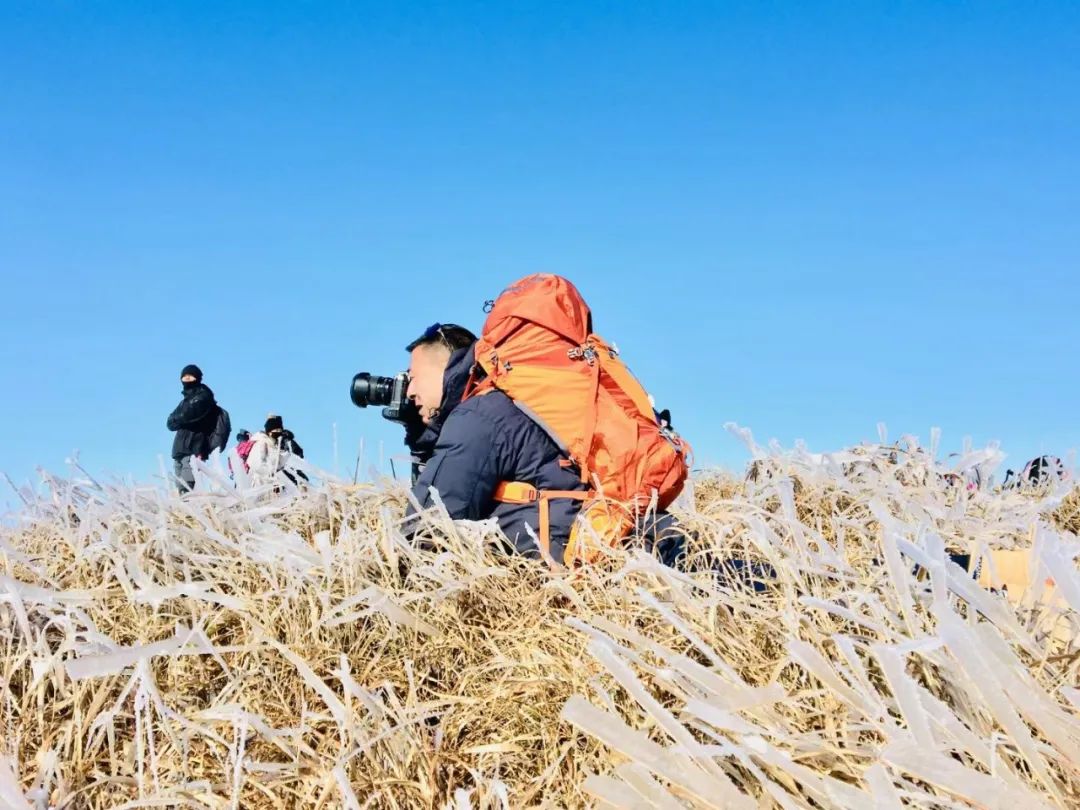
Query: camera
(368, 389)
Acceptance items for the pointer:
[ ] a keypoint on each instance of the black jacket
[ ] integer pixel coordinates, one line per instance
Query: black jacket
(484, 441)
(193, 420)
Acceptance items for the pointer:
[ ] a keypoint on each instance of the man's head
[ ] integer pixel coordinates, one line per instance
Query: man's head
(190, 375)
(429, 355)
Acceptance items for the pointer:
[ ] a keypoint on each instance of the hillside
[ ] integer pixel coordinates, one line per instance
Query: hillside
(247, 649)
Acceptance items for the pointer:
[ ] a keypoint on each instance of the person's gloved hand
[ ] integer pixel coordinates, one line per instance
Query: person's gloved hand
(420, 445)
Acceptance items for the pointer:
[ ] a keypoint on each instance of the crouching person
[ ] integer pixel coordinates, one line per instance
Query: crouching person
(479, 443)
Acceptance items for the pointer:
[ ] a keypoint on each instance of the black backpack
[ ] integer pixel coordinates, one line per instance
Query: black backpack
(219, 436)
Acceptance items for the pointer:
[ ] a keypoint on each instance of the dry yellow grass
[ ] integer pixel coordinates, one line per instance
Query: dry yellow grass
(245, 649)
(1067, 516)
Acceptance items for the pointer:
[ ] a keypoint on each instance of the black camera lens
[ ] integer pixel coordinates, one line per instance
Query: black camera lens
(368, 390)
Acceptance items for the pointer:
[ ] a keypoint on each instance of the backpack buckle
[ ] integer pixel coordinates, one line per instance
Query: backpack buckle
(674, 439)
(586, 353)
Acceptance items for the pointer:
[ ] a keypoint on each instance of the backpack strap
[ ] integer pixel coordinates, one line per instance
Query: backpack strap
(518, 492)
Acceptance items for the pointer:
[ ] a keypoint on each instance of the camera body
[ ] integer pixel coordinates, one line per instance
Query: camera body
(390, 392)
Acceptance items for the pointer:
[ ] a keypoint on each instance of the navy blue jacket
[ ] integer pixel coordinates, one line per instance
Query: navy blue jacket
(484, 441)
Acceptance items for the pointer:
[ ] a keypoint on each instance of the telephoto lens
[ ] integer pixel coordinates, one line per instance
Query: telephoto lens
(371, 390)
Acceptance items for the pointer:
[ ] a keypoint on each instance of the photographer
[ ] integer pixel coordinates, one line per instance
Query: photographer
(467, 449)
(471, 447)
(272, 451)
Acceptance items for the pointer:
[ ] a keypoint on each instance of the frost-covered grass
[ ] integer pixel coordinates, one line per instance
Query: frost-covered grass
(240, 648)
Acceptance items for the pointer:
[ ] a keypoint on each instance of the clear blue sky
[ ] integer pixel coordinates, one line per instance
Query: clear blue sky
(805, 220)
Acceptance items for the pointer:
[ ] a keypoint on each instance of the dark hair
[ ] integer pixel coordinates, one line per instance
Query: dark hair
(450, 335)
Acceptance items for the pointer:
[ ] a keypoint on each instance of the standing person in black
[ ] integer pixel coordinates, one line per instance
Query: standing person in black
(197, 422)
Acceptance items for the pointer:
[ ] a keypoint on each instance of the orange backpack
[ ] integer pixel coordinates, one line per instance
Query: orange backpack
(538, 348)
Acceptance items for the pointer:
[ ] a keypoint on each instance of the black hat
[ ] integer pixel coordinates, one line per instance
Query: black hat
(193, 371)
(273, 422)
(243, 436)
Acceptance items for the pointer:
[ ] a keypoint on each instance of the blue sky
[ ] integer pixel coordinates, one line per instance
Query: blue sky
(803, 219)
